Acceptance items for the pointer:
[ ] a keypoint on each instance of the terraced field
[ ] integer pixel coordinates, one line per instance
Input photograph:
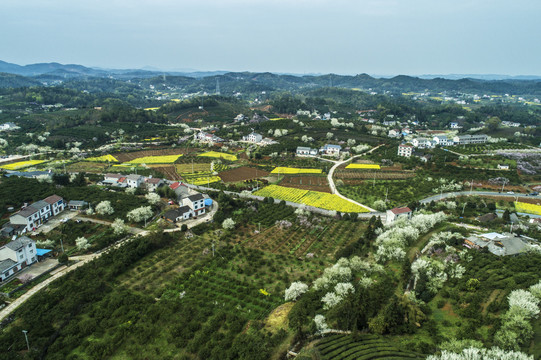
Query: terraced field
(343, 347)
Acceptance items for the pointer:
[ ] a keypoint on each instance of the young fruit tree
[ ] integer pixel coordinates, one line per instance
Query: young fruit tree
(139, 214)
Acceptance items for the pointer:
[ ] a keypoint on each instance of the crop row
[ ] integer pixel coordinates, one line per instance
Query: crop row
(103, 158)
(311, 198)
(528, 208)
(219, 155)
(292, 170)
(342, 347)
(364, 166)
(163, 159)
(21, 164)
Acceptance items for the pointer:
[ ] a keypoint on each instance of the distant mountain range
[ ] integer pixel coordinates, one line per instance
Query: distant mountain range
(106, 80)
(75, 70)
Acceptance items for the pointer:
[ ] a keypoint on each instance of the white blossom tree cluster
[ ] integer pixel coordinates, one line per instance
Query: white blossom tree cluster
(481, 354)
(82, 243)
(295, 290)
(360, 148)
(337, 279)
(140, 214)
(516, 328)
(105, 208)
(446, 186)
(392, 242)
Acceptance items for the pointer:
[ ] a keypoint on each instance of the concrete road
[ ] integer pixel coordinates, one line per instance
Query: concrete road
(474, 193)
(55, 222)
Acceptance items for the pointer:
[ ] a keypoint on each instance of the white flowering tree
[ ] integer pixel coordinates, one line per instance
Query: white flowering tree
(152, 198)
(330, 300)
(119, 227)
(228, 224)
(329, 135)
(139, 214)
(131, 191)
(473, 353)
(321, 323)
(295, 290)
(82, 243)
(105, 208)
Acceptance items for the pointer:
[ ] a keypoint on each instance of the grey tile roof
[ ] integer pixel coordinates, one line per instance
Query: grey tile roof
(19, 243)
(6, 264)
(26, 212)
(40, 204)
(195, 197)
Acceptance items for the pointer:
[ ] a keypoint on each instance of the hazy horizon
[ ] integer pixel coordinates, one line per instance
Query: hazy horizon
(377, 37)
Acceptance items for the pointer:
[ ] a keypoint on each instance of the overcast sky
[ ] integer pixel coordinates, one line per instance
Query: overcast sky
(383, 37)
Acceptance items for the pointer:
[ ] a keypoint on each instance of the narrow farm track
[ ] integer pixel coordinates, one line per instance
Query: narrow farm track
(333, 186)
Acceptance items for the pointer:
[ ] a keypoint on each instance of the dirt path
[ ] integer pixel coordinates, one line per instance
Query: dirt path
(333, 186)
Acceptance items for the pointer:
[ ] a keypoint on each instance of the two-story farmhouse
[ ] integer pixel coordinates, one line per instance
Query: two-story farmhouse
(16, 255)
(196, 203)
(331, 150)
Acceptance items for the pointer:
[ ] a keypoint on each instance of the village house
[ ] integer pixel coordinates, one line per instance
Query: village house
(178, 214)
(207, 138)
(398, 212)
(331, 150)
(76, 205)
(442, 140)
(196, 203)
(16, 255)
(8, 126)
(394, 133)
(503, 167)
(454, 125)
(238, 118)
(34, 215)
(306, 151)
(57, 204)
(470, 139)
(256, 119)
(510, 124)
(422, 143)
(152, 184)
(134, 180)
(499, 244)
(405, 150)
(253, 137)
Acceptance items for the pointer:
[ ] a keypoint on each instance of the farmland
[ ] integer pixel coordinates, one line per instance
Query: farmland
(89, 167)
(321, 237)
(21, 164)
(363, 166)
(311, 198)
(192, 168)
(291, 170)
(200, 178)
(169, 171)
(158, 159)
(219, 155)
(366, 347)
(129, 156)
(485, 148)
(306, 182)
(378, 175)
(103, 158)
(528, 208)
(242, 174)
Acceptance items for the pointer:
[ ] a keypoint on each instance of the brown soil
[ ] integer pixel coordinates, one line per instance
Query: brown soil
(168, 171)
(306, 182)
(242, 173)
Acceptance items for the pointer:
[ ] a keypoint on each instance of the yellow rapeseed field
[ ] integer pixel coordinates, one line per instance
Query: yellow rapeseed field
(291, 170)
(363, 166)
(311, 198)
(528, 208)
(103, 158)
(162, 159)
(21, 164)
(215, 154)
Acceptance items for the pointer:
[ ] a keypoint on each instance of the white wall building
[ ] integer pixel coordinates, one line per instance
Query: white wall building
(405, 150)
(16, 255)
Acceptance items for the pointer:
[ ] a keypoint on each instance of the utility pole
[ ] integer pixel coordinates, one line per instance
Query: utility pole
(386, 193)
(471, 186)
(463, 208)
(26, 337)
(213, 248)
(503, 185)
(441, 194)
